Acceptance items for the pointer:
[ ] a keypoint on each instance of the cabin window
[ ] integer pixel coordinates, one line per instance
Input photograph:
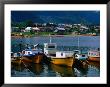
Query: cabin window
(83, 55)
(61, 54)
(77, 52)
(92, 54)
(18, 54)
(51, 46)
(52, 54)
(23, 52)
(11, 54)
(28, 52)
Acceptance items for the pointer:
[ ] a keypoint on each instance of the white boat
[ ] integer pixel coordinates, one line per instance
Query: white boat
(94, 55)
(80, 56)
(58, 57)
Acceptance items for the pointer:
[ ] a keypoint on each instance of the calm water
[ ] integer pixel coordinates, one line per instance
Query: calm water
(51, 70)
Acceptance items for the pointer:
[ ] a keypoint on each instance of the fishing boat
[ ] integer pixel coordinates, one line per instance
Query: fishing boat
(58, 57)
(63, 58)
(15, 55)
(94, 55)
(16, 58)
(79, 55)
(34, 55)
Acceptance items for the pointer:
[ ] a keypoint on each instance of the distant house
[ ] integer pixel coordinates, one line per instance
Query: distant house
(84, 28)
(28, 29)
(59, 30)
(36, 29)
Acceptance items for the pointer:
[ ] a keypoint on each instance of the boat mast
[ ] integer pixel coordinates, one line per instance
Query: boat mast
(78, 42)
(50, 38)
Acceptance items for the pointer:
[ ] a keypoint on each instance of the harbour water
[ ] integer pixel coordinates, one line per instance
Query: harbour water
(50, 70)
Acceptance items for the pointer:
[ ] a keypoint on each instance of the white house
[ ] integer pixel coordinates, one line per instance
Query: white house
(59, 29)
(27, 29)
(35, 29)
(84, 27)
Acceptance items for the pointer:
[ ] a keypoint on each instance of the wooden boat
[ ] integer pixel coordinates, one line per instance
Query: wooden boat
(63, 58)
(58, 57)
(94, 55)
(16, 55)
(16, 61)
(34, 55)
(16, 58)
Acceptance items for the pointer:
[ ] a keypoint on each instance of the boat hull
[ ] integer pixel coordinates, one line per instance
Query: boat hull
(97, 59)
(16, 61)
(34, 59)
(63, 61)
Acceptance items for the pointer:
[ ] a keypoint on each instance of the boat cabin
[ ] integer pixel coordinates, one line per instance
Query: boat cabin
(50, 49)
(79, 55)
(77, 51)
(94, 53)
(19, 54)
(64, 54)
(31, 51)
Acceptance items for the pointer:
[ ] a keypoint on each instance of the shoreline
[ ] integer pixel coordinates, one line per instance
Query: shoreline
(19, 36)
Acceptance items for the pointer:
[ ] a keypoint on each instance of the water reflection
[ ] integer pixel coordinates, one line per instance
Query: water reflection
(95, 64)
(18, 67)
(36, 68)
(81, 68)
(63, 70)
(92, 69)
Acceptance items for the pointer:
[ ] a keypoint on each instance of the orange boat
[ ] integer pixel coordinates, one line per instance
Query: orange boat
(34, 59)
(94, 56)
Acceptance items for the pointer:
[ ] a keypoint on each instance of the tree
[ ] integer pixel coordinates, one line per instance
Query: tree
(32, 32)
(29, 23)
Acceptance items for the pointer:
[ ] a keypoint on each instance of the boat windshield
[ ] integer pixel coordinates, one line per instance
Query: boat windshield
(51, 46)
(76, 51)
